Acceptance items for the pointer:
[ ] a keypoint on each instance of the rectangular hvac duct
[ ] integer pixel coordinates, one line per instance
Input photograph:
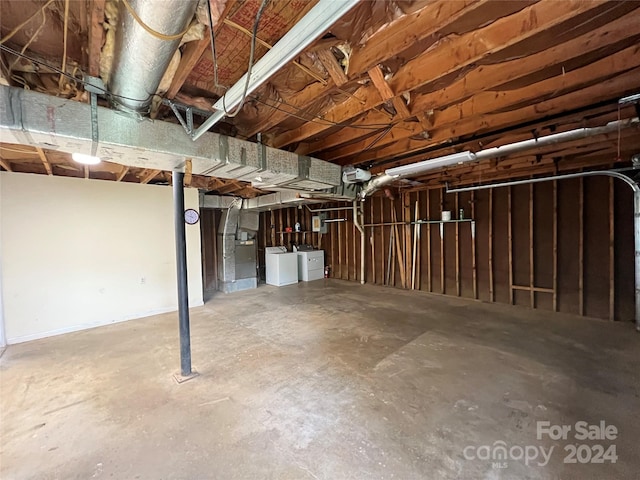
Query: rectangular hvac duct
(40, 120)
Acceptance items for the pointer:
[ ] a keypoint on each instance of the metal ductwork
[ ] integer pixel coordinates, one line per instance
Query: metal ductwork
(413, 169)
(45, 121)
(237, 249)
(141, 58)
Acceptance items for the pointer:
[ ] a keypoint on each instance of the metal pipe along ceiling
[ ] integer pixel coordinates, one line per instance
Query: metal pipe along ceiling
(140, 58)
(414, 169)
(610, 173)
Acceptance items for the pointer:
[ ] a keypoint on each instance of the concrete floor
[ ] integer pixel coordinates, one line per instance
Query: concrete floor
(328, 380)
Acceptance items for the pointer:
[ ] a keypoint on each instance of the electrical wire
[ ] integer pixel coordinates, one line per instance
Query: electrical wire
(64, 40)
(68, 75)
(33, 37)
(150, 30)
(19, 27)
(213, 45)
(251, 57)
(319, 120)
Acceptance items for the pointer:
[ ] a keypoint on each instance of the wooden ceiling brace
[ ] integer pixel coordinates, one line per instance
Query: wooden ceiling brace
(122, 173)
(45, 160)
(335, 70)
(6, 165)
(149, 176)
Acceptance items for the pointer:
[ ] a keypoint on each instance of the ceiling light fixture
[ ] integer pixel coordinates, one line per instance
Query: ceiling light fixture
(85, 159)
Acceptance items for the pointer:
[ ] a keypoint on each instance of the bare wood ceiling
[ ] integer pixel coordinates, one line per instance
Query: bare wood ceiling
(399, 81)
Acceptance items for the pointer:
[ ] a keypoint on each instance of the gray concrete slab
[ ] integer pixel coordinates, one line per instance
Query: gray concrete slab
(323, 380)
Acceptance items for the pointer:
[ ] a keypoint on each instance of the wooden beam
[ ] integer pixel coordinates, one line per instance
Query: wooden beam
(149, 176)
(190, 56)
(377, 77)
(193, 52)
(296, 104)
(474, 47)
(123, 171)
(86, 171)
(602, 91)
(407, 30)
(187, 172)
(342, 112)
(96, 35)
(558, 123)
(229, 187)
(6, 165)
(335, 70)
(493, 75)
(396, 37)
(45, 160)
(531, 289)
(471, 115)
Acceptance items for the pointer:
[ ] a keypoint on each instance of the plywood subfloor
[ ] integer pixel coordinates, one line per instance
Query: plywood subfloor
(328, 380)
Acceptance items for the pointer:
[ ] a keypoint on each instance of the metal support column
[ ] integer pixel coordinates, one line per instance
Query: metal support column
(181, 266)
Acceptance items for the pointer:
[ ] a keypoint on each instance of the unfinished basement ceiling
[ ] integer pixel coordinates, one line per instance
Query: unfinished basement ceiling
(391, 83)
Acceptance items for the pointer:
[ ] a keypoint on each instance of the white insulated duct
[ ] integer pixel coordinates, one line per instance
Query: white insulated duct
(413, 169)
(140, 58)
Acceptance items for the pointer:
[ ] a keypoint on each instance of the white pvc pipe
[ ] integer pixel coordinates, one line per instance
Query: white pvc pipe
(356, 222)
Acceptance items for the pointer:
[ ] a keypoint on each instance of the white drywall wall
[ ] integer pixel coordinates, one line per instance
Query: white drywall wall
(79, 253)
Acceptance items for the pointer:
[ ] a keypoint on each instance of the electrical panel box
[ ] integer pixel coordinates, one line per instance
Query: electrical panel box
(318, 223)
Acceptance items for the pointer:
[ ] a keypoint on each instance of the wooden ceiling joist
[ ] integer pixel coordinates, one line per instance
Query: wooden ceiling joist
(422, 24)
(445, 58)
(477, 107)
(609, 89)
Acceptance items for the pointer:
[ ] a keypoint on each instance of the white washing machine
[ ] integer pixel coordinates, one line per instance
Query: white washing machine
(281, 266)
(310, 264)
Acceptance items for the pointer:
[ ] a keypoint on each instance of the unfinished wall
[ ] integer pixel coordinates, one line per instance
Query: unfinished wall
(564, 246)
(80, 253)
